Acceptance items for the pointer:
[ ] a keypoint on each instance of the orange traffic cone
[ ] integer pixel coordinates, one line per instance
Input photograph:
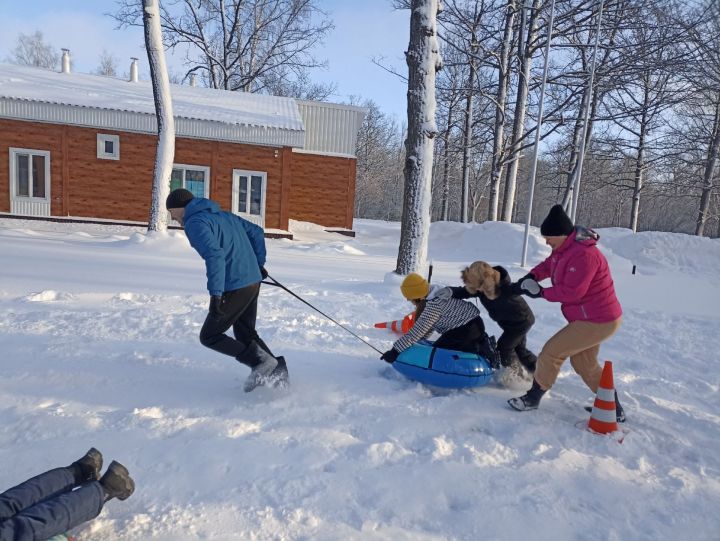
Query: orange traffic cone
(603, 419)
(400, 326)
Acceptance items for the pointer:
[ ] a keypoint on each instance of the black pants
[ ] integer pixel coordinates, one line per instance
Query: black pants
(514, 341)
(239, 312)
(468, 337)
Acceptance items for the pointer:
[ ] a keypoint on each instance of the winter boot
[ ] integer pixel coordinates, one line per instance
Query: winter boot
(261, 369)
(279, 378)
(88, 467)
(530, 400)
(619, 411)
(117, 482)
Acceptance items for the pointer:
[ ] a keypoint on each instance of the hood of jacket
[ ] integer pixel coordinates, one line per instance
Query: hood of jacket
(200, 204)
(581, 235)
(504, 276)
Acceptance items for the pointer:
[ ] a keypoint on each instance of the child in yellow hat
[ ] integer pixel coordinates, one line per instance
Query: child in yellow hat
(458, 322)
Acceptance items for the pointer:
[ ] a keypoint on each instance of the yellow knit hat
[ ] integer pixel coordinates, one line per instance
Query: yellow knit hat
(414, 287)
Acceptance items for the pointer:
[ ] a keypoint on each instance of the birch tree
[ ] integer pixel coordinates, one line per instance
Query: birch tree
(526, 51)
(247, 45)
(503, 84)
(107, 64)
(650, 88)
(423, 60)
(165, 152)
(705, 39)
(31, 50)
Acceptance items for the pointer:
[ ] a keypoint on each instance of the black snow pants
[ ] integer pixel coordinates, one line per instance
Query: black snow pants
(239, 311)
(514, 341)
(468, 337)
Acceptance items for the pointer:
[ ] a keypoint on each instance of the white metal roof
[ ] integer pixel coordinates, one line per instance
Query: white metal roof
(330, 128)
(92, 100)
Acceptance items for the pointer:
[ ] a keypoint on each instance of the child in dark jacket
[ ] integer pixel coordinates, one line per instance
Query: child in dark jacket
(492, 285)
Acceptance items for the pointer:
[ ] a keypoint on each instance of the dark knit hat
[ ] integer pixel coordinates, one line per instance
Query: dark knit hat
(178, 199)
(557, 223)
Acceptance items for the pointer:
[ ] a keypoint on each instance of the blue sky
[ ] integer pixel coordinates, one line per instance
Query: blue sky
(374, 30)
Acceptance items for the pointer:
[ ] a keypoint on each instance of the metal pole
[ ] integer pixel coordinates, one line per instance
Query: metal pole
(578, 174)
(533, 168)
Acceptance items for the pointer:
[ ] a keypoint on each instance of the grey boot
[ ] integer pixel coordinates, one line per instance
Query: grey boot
(279, 378)
(88, 467)
(261, 369)
(117, 482)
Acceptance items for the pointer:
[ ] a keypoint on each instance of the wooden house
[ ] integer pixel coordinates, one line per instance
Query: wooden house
(83, 147)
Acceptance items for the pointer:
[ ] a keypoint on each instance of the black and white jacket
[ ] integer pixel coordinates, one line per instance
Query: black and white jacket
(441, 315)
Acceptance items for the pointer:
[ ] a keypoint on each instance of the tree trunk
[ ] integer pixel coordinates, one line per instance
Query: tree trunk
(423, 59)
(525, 55)
(467, 134)
(640, 160)
(712, 158)
(573, 161)
(500, 102)
(165, 152)
(446, 169)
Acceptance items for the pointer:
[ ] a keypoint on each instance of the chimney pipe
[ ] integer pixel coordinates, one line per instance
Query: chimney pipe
(134, 70)
(192, 80)
(65, 61)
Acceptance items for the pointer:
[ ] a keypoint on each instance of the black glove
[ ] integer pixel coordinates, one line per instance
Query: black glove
(390, 356)
(216, 306)
(530, 287)
(516, 289)
(263, 273)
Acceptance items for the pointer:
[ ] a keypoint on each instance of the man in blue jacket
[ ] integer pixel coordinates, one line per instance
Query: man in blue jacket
(234, 254)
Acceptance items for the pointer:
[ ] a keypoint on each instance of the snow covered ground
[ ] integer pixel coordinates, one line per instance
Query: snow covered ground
(98, 347)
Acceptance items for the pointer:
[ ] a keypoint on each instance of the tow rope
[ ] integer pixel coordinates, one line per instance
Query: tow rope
(298, 297)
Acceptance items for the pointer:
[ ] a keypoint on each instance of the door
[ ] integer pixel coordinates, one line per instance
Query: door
(29, 182)
(248, 195)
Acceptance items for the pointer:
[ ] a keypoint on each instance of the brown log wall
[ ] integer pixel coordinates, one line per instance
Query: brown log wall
(323, 189)
(305, 187)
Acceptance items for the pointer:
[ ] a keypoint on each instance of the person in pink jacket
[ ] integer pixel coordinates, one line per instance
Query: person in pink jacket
(582, 284)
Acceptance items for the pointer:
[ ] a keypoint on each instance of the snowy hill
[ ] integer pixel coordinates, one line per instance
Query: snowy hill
(98, 334)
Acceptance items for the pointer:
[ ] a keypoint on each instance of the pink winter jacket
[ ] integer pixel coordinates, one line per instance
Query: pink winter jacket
(581, 279)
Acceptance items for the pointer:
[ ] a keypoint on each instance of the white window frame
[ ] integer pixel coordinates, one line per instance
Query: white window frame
(13, 172)
(254, 218)
(205, 169)
(114, 139)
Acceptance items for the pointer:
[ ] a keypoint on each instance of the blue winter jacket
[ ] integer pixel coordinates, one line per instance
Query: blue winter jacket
(232, 247)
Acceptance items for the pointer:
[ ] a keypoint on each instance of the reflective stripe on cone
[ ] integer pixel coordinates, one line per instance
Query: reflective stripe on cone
(603, 419)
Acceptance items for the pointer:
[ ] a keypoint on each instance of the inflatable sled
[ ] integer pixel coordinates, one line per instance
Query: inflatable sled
(443, 367)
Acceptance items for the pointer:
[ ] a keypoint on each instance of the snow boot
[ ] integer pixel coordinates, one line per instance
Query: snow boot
(261, 369)
(619, 411)
(279, 378)
(530, 400)
(117, 482)
(88, 467)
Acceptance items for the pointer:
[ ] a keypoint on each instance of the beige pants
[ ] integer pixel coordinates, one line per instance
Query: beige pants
(579, 340)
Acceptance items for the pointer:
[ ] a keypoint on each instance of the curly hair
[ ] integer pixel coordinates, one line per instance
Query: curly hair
(480, 276)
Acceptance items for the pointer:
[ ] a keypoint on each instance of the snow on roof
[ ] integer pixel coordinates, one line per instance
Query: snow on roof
(109, 93)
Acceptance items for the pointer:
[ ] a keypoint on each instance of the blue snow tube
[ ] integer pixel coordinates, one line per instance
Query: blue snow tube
(443, 367)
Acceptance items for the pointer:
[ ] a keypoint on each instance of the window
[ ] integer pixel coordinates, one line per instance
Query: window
(191, 177)
(30, 174)
(249, 195)
(108, 146)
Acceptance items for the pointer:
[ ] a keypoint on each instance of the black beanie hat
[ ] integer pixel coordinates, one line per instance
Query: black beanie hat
(178, 199)
(557, 223)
